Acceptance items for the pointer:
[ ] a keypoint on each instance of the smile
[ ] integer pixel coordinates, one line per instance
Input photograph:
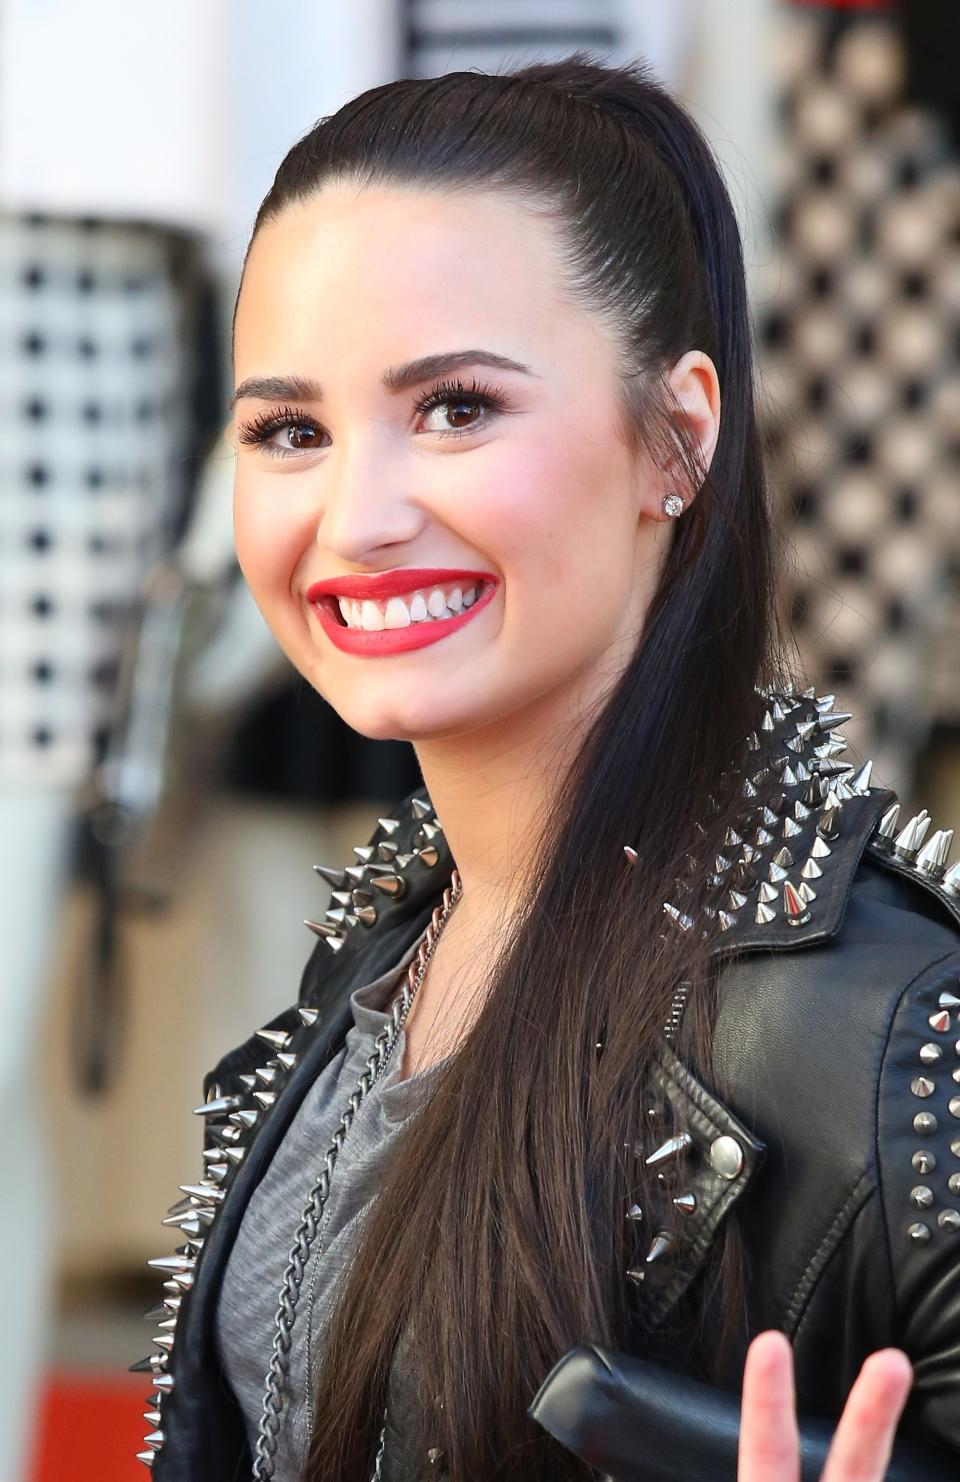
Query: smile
(396, 620)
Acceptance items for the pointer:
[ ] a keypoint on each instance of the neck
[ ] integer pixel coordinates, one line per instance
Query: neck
(491, 789)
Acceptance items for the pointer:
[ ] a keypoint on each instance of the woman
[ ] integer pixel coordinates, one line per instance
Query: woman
(613, 1070)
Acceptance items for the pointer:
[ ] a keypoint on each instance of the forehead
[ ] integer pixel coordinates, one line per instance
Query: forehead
(358, 266)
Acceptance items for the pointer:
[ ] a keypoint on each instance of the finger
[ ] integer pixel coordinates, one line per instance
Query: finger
(863, 1440)
(769, 1449)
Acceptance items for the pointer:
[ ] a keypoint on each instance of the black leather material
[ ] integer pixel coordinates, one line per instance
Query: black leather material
(822, 1052)
(635, 1421)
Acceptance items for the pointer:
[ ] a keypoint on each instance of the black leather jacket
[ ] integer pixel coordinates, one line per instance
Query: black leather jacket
(836, 1150)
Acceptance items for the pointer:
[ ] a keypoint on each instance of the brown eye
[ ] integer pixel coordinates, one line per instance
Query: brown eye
(460, 412)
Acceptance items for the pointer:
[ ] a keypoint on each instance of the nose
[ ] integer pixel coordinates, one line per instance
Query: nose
(365, 506)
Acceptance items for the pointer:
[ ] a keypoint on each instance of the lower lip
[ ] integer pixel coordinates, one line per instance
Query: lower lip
(397, 640)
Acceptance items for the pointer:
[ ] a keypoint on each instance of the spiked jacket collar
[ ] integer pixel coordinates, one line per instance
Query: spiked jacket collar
(783, 885)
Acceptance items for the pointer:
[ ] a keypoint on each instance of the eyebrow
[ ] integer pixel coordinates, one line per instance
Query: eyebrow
(395, 378)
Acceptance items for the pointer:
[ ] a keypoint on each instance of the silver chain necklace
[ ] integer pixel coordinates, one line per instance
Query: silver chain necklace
(275, 1383)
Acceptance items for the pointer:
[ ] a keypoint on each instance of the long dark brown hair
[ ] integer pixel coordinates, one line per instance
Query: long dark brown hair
(498, 1240)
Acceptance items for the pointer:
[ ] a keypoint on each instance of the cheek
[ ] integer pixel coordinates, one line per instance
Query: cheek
(268, 536)
(563, 526)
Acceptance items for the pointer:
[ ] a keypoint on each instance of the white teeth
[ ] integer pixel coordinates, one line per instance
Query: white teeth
(396, 615)
(399, 612)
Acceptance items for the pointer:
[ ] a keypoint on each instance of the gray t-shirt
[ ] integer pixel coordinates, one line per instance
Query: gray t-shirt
(254, 1272)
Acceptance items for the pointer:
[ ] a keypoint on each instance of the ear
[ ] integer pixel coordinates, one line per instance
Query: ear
(696, 386)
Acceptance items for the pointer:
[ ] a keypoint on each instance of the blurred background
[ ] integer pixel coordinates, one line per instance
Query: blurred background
(166, 779)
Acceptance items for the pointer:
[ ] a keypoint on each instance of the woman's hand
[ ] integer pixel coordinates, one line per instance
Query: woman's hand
(860, 1450)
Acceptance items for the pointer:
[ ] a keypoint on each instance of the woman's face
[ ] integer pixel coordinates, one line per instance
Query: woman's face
(495, 471)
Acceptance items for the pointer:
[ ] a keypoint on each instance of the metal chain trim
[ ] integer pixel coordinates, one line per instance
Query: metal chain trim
(275, 1382)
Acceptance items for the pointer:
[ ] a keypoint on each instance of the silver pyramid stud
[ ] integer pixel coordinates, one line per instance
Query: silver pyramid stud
(670, 1151)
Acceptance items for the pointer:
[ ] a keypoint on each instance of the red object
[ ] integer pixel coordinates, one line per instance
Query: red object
(380, 584)
(90, 1428)
(385, 641)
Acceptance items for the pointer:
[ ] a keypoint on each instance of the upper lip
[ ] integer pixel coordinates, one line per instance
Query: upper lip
(391, 583)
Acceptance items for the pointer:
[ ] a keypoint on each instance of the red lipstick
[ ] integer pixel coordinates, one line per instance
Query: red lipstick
(383, 584)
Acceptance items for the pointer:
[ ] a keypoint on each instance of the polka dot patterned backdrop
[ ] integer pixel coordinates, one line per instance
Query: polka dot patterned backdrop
(858, 316)
(91, 414)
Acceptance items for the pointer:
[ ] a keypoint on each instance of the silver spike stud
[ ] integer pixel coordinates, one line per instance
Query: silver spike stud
(659, 1246)
(951, 880)
(333, 877)
(146, 1457)
(389, 825)
(635, 1213)
(323, 928)
(764, 914)
(277, 1039)
(794, 909)
(670, 1151)
(308, 1017)
(886, 828)
(861, 782)
(420, 808)
(217, 1107)
(686, 1203)
(630, 853)
(393, 885)
(911, 836)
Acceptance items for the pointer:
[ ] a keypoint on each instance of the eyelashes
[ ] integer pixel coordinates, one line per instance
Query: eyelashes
(478, 396)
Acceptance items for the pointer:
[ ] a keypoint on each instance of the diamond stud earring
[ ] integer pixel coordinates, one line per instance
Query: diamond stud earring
(672, 505)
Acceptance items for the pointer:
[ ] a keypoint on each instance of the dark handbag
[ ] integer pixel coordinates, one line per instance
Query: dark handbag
(634, 1421)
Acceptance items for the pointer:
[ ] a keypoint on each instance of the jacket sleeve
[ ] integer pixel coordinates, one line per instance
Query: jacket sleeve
(918, 1160)
(634, 1421)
